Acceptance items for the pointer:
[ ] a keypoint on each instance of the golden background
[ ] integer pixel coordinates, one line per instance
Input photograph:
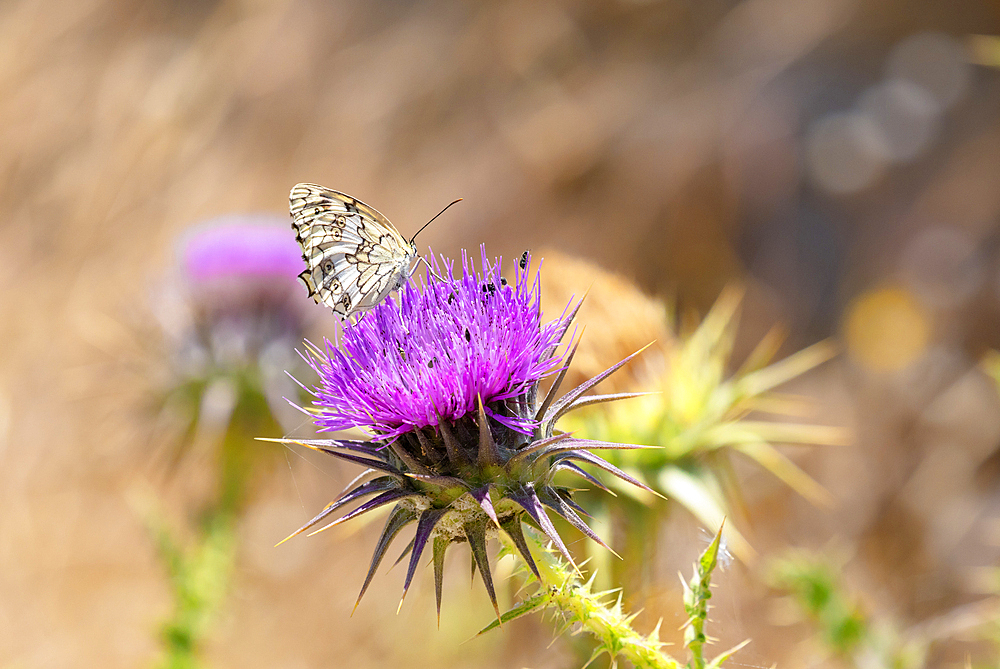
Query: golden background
(683, 145)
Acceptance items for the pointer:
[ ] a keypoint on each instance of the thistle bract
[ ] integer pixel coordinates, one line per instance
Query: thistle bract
(463, 444)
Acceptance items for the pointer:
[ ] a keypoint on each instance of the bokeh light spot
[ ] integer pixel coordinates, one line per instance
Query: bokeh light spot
(887, 329)
(905, 114)
(845, 152)
(934, 61)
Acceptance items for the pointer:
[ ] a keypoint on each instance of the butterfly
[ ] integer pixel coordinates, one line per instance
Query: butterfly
(354, 256)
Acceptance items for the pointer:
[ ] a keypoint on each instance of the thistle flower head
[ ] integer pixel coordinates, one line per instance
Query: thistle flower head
(232, 300)
(704, 412)
(432, 357)
(464, 445)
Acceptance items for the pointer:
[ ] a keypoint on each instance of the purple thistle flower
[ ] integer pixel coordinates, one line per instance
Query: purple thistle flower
(231, 313)
(235, 292)
(403, 368)
(447, 380)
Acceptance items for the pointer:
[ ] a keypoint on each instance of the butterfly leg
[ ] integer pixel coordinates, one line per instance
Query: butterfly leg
(423, 260)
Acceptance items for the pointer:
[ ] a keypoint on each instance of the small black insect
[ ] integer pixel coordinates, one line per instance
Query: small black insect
(503, 281)
(468, 337)
(524, 260)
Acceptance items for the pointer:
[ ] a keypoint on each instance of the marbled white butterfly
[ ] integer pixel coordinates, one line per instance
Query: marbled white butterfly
(354, 256)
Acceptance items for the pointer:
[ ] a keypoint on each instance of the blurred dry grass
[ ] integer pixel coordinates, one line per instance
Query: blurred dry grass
(669, 141)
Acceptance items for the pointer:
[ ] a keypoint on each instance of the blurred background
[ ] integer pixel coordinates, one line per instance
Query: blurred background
(838, 159)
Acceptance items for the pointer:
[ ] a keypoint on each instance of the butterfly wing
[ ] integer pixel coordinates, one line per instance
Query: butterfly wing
(354, 256)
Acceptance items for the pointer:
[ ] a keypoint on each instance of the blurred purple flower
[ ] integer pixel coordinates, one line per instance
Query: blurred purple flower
(238, 285)
(232, 309)
(432, 357)
(240, 247)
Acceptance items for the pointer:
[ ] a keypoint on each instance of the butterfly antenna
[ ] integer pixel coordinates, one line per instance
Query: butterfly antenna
(432, 220)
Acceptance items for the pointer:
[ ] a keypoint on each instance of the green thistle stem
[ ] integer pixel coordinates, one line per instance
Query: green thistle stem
(595, 612)
(563, 590)
(200, 578)
(697, 592)
(201, 569)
